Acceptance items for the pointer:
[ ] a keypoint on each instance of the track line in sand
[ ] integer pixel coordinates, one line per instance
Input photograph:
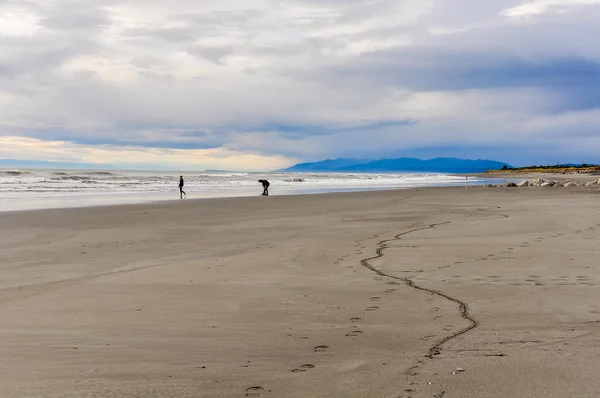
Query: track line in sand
(463, 307)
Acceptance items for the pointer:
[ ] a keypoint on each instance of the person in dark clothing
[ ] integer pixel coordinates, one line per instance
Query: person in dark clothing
(181, 191)
(265, 185)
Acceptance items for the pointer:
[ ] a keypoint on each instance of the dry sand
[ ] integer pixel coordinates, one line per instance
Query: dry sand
(267, 297)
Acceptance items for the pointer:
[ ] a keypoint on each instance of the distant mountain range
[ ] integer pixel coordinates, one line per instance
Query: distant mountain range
(437, 165)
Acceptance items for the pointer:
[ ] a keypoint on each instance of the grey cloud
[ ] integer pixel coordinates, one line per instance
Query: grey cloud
(197, 26)
(165, 77)
(461, 13)
(147, 61)
(285, 79)
(519, 55)
(37, 58)
(81, 20)
(220, 18)
(214, 54)
(175, 35)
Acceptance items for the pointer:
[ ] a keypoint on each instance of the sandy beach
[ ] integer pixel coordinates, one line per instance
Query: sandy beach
(435, 292)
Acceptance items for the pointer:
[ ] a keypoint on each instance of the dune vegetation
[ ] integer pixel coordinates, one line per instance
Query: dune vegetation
(561, 169)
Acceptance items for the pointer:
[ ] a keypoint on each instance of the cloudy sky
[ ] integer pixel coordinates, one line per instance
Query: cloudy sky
(262, 84)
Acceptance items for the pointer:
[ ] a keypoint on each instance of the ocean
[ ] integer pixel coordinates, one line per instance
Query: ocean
(37, 189)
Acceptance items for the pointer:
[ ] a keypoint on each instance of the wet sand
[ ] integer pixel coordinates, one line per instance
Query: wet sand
(374, 294)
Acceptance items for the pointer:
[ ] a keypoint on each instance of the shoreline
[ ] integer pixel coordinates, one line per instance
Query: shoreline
(17, 201)
(162, 199)
(134, 199)
(176, 203)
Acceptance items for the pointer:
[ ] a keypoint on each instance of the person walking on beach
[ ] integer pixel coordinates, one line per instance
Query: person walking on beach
(181, 191)
(265, 185)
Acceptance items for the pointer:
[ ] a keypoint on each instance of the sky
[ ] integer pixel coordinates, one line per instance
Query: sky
(264, 84)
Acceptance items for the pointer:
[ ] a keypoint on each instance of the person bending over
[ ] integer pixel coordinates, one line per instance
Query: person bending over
(265, 185)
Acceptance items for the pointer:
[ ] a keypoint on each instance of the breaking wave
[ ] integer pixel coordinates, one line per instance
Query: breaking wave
(99, 173)
(13, 172)
(90, 182)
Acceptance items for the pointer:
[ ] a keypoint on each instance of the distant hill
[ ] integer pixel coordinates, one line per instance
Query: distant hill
(437, 165)
(326, 165)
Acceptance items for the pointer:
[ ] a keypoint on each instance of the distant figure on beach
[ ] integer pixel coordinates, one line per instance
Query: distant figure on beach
(181, 191)
(265, 185)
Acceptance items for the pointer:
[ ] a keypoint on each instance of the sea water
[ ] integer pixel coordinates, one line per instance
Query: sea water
(37, 189)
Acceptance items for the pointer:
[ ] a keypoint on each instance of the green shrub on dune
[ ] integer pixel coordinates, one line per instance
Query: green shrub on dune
(562, 169)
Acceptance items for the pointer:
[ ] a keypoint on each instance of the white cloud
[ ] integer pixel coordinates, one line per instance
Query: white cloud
(544, 6)
(17, 23)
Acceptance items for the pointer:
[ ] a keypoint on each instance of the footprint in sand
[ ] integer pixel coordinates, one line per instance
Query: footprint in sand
(390, 291)
(354, 333)
(254, 391)
(394, 283)
(375, 298)
(321, 348)
(356, 319)
(303, 368)
(372, 309)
